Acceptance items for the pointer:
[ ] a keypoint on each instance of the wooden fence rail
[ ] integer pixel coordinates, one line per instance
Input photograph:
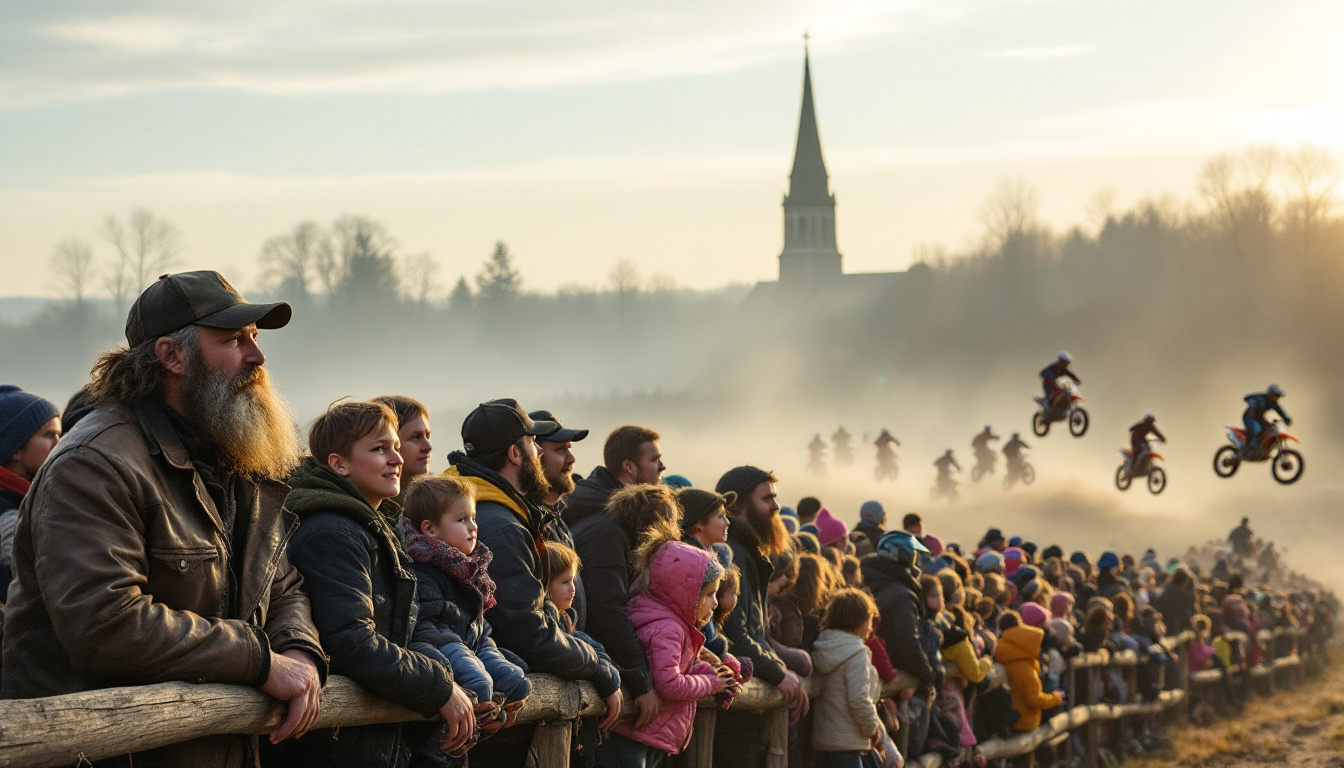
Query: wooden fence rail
(62, 730)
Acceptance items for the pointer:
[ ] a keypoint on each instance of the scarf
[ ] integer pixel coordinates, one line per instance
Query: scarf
(468, 569)
(13, 483)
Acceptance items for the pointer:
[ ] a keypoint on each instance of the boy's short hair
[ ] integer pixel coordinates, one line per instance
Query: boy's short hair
(408, 409)
(1008, 620)
(343, 424)
(429, 497)
(849, 609)
(625, 443)
(560, 558)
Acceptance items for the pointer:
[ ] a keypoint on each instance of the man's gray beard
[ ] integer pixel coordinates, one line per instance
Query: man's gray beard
(243, 419)
(532, 479)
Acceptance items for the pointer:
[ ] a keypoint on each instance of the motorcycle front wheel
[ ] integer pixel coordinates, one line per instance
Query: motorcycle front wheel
(1040, 424)
(1287, 466)
(1078, 422)
(1122, 478)
(1226, 461)
(1157, 480)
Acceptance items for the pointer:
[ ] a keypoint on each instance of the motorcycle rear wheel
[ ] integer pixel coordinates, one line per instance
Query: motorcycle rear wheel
(1040, 424)
(1028, 474)
(1287, 466)
(1122, 478)
(1078, 422)
(1157, 480)
(1226, 461)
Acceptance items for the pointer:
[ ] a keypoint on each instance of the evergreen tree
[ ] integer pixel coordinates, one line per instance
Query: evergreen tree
(499, 281)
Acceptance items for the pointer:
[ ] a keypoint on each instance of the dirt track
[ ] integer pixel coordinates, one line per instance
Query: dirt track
(1302, 727)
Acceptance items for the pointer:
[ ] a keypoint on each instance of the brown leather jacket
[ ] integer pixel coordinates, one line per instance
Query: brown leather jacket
(121, 565)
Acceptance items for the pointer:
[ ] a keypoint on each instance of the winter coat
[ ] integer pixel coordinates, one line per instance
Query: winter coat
(664, 618)
(122, 574)
(844, 711)
(714, 640)
(1177, 605)
(745, 626)
(1019, 652)
(513, 530)
(362, 589)
(900, 602)
(958, 650)
(452, 621)
(872, 530)
(12, 490)
(605, 549)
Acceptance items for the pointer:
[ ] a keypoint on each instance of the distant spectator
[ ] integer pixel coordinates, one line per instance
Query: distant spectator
(872, 521)
(808, 507)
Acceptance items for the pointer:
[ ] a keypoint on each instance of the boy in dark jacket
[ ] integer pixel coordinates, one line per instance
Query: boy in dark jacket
(362, 589)
(454, 589)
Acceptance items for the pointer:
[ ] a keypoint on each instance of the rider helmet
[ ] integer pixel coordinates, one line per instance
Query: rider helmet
(988, 429)
(1274, 390)
(1015, 434)
(886, 431)
(901, 545)
(1065, 357)
(1150, 416)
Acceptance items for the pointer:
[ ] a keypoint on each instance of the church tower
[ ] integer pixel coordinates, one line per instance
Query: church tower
(810, 260)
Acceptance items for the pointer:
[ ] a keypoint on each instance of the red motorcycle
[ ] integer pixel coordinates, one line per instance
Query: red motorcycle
(1065, 407)
(1285, 463)
(1157, 477)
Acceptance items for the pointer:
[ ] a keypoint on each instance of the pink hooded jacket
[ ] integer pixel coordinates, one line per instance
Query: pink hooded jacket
(663, 616)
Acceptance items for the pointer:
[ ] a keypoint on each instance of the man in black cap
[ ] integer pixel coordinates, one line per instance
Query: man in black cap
(151, 545)
(501, 459)
(557, 460)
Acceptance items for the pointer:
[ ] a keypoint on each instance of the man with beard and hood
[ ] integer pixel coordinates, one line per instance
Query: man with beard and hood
(755, 534)
(892, 575)
(500, 459)
(151, 545)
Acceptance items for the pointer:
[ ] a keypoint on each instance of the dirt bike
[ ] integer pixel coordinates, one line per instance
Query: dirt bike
(986, 463)
(816, 466)
(945, 486)
(887, 468)
(1286, 463)
(1063, 407)
(844, 455)
(1157, 476)
(1019, 469)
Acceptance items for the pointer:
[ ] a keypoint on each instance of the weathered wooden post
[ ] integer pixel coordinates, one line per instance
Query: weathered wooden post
(1181, 714)
(550, 745)
(700, 752)
(777, 738)
(1091, 731)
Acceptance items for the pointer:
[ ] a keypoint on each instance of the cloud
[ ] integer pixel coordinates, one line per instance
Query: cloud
(1041, 52)
(64, 51)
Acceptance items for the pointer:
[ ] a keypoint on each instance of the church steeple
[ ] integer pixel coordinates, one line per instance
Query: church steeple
(808, 182)
(810, 260)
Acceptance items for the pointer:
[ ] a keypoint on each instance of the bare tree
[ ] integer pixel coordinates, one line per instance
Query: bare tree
(1010, 212)
(146, 246)
(624, 278)
(1313, 174)
(289, 261)
(1101, 208)
(661, 282)
(352, 238)
(72, 264)
(1237, 192)
(420, 277)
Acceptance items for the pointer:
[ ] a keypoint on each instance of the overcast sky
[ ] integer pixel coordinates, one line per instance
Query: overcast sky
(582, 133)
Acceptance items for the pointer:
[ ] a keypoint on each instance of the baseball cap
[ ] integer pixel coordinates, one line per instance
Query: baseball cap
(197, 298)
(562, 434)
(497, 424)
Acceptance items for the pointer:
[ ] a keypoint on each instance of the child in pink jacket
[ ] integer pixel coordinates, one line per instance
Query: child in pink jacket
(676, 599)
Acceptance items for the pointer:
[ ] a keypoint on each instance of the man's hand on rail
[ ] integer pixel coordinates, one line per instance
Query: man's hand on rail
(792, 688)
(461, 720)
(648, 705)
(294, 680)
(613, 702)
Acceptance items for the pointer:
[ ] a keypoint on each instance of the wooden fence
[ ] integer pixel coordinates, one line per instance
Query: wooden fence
(63, 730)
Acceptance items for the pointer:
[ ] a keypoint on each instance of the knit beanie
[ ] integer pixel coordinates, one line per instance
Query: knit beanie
(1060, 604)
(990, 561)
(1034, 615)
(1030, 548)
(934, 544)
(790, 523)
(676, 482)
(697, 505)
(872, 512)
(1015, 541)
(1012, 559)
(742, 480)
(22, 414)
(1062, 630)
(1108, 560)
(724, 554)
(829, 529)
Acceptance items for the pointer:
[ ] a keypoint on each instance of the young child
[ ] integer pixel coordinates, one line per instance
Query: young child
(730, 586)
(677, 595)
(563, 564)
(438, 532)
(845, 723)
(1019, 652)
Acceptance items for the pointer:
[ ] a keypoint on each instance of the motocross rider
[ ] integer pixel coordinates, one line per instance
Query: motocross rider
(884, 442)
(981, 441)
(945, 464)
(1138, 439)
(816, 450)
(1051, 374)
(1012, 450)
(1258, 406)
(841, 440)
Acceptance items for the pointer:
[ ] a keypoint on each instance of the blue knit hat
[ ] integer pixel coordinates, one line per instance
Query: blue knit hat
(1107, 560)
(872, 512)
(22, 414)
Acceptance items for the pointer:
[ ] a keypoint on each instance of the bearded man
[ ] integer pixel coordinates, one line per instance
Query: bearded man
(151, 545)
(501, 459)
(755, 533)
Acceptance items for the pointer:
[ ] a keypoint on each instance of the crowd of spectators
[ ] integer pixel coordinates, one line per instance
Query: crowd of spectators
(180, 532)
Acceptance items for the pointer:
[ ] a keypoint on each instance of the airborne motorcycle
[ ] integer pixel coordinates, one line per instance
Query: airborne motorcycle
(1286, 463)
(1019, 469)
(1064, 407)
(986, 463)
(1125, 474)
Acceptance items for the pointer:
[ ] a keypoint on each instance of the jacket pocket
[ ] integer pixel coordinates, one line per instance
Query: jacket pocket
(184, 560)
